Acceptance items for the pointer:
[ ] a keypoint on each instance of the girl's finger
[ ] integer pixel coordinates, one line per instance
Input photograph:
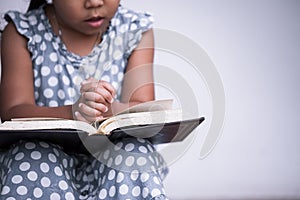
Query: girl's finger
(100, 96)
(82, 117)
(92, 85)
(89, 84)
(86, 85)
(79, 117)
(98, 106)
(107, 95)
(88, 111)
(108, 87)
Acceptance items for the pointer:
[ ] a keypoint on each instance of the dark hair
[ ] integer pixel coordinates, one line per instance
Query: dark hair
(34, 4)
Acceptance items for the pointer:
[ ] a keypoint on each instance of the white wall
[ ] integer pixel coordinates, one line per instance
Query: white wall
(256, 48)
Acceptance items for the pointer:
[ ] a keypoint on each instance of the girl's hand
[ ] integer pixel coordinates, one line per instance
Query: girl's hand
(96, 98)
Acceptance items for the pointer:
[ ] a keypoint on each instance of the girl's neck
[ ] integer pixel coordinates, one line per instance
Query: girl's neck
(74, 41)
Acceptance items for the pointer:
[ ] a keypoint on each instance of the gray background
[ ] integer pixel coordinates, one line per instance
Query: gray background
(255, 46)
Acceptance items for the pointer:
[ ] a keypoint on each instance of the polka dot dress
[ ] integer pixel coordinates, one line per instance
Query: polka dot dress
(127, 169)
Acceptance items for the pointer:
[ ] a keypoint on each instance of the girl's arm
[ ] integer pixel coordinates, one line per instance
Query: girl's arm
(17, 89)
(138, 85)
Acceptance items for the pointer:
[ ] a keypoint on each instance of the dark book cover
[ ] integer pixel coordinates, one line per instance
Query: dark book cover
(71, 139)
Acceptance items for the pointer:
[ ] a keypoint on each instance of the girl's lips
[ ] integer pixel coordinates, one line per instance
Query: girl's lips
(95, 22)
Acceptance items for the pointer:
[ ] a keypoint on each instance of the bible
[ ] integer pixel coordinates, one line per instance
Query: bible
(156, 121)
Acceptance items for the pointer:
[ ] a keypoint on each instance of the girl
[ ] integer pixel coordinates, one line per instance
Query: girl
(84, 60)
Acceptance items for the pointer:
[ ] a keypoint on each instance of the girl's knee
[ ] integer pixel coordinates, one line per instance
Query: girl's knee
(25, 154)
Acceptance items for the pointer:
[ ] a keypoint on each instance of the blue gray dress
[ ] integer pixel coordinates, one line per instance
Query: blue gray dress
(127, 169)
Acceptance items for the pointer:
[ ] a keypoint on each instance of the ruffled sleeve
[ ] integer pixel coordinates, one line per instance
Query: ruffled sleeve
(26, 25)
(132, 25)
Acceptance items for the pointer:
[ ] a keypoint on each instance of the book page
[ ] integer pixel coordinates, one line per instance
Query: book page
(36, 119)
(47, 124)
(139, 118)
(156, 105)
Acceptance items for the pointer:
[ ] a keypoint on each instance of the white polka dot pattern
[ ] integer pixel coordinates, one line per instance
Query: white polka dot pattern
(42, 170)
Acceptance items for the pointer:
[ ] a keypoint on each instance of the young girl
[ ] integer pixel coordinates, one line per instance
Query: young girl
(84, 60)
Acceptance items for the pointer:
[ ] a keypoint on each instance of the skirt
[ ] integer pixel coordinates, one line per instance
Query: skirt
(128, 169)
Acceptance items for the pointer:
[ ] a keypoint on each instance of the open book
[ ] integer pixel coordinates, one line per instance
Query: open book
(154, 120)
